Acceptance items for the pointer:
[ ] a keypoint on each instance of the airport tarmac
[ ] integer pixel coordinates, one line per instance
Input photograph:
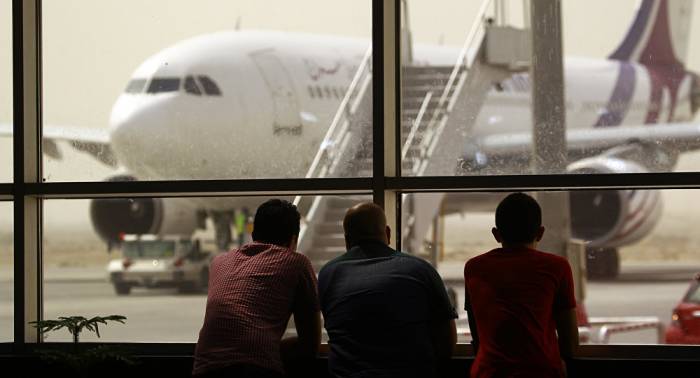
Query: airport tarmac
(163, 315)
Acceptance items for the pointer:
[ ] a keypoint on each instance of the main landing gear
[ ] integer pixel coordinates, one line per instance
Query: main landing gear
(222, 228)
(602, 263)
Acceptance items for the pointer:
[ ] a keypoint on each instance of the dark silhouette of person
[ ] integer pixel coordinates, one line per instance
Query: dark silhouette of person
(253, 291)
(387, 313)
(517, 297)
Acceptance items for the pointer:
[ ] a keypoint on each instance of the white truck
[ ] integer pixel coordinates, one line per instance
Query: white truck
(160, 261)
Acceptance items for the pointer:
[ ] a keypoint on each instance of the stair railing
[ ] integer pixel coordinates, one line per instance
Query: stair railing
(446, 102)
(328, 151)
(335, 143)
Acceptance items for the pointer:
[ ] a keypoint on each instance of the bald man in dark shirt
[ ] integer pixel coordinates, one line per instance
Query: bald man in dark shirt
(387, 313)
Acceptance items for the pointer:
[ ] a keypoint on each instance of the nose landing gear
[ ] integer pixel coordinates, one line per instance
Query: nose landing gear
(222, 228)
(602, 263)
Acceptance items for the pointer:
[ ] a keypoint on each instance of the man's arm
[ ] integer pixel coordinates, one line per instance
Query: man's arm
(565, 314)
(308, 339)
(472, 322)
(444, 338)
(567, 332)
(444, 330)
(304, 346)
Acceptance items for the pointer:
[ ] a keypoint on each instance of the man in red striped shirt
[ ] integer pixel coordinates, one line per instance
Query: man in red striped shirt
(253, 291)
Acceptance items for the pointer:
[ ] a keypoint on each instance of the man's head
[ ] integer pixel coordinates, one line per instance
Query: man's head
(277, 222)
(365, 221)
(518, 221)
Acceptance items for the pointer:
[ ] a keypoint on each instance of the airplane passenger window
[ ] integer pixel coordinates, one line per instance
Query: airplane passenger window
(136, 86)
(159, 85)
(191, 86)
(210, 87)
(312, 93)
(319, 91)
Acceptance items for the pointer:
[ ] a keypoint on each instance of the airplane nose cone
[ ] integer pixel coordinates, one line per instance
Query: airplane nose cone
(135, 127)
(155, 137)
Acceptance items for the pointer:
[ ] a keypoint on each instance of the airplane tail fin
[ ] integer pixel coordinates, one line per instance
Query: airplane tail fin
(659, 34)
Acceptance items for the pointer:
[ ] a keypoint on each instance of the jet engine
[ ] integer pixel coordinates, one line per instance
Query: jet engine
(612, 218)
(113, 217)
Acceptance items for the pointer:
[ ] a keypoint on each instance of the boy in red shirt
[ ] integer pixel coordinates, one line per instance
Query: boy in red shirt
(517, 297)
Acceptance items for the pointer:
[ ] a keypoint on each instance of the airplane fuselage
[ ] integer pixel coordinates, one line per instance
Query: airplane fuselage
(279, 92)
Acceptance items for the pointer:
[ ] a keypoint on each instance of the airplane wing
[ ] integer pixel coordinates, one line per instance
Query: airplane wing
(680, 137)
(92, 141)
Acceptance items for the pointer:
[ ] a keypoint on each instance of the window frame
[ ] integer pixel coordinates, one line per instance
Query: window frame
(27, 191)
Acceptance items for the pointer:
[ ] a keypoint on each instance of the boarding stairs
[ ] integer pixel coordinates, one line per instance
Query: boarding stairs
(439, 109)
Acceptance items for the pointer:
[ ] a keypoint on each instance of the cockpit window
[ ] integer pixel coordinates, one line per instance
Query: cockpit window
(191, 86)
(136, 86)
(164, 84)
(209, 86)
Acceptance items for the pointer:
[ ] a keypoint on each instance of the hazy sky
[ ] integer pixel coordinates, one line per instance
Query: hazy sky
(92, 47)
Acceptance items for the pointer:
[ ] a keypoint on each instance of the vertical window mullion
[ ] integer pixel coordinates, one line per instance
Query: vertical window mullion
(27, 167)
(385, 58)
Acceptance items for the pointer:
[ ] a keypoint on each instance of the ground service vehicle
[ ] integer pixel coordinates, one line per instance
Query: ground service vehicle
(160, 261)
(685, 320)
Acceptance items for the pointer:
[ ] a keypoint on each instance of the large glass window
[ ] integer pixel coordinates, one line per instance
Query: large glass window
(640, 252)
(286, 92)
(625, 97)
(221, 96)
(6, 273)
(158, 279)
(5, 91)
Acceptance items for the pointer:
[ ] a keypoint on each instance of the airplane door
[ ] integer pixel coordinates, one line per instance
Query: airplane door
(286, 107)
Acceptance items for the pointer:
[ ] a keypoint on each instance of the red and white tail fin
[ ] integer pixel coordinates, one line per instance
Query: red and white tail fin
(659, 34)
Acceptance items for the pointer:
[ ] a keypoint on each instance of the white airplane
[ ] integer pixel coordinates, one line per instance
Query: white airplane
(254, 104)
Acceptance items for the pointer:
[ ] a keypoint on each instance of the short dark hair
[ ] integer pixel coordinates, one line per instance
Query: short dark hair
(364, 221)
(276, 222)
(518, 218)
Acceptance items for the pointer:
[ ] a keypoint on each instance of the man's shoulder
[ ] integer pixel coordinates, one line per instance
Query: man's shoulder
(330, 265)
(481, 258)
(402, 257)
(407, 258)
(551, 257)
(222, 257)
(297, 259)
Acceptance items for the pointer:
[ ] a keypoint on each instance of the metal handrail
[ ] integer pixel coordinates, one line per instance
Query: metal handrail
(464, 54)
(622, 324)
(416, 124)
(454, 83)
(342, 113)
(331, 139)
(607, 330)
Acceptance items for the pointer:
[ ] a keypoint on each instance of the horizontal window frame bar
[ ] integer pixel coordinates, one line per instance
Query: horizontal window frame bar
(671, 180)
(293, 186)
(658, 352)
(6, 192)
(200, 188)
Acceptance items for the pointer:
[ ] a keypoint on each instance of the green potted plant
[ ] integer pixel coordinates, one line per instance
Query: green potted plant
(85, 362)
